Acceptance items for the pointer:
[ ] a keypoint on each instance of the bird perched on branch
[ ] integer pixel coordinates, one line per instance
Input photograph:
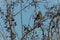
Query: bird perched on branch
(39, 15)
(38, 18)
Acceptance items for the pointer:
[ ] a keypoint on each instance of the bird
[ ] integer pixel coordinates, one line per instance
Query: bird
(39, 15)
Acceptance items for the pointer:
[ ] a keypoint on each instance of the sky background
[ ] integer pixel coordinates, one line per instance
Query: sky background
(26, 13)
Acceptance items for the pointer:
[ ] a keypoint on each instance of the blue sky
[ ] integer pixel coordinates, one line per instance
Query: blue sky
(26, 15)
